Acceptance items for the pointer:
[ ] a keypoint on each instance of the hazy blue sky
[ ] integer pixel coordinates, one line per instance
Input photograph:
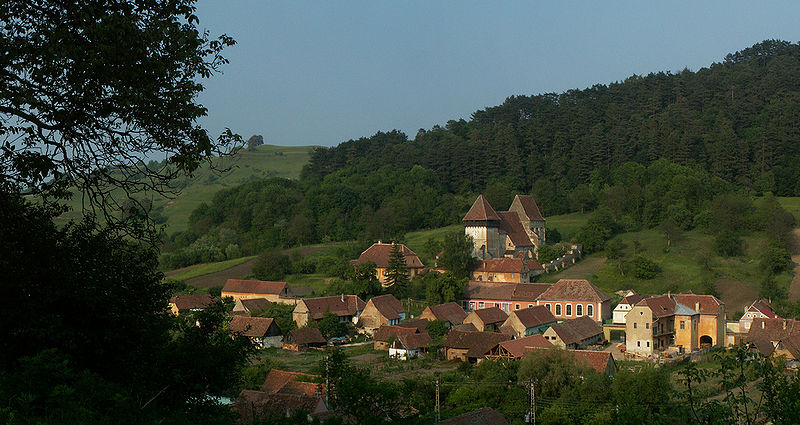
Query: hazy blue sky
(325, 72)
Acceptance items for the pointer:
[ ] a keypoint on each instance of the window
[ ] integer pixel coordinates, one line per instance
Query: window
(647, 326)
(589, 309)
(516, 306)
(480, 304)
(531, 305)
(648, 343)
(634, 325)
(512, 275)
(638, 343)
(546, 306)
(579, 310)
(558, 309)
(569, 309)
(683, 325)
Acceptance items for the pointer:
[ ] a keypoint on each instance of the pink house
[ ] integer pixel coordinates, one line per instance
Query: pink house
(570, 299)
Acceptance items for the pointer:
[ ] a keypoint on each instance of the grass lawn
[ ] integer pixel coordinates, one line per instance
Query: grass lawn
(567, 224)
(318, 282)
(791, 204)
(205, 268)
(736, 279)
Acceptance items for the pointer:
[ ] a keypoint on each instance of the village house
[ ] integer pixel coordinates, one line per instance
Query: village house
(419, 324)
(650, 326)
(245, 289)
(184, 303)
(758, 309)
(262, 331)
(506, 296)
(380, 253)
(381, 310)
(304, 338)
(347, 307)
(600, 361)
(283, 394)
(386, 334)
(789, 349)
(501, 270)
(486, 319)
(407, 346)
(767, 333)
(504, 234)
(471, 347)
(568, 299)
(487, 415)
(625, 305)
(250, 306)
(450, 313)
(516, 349)
(574, 333)
(528, 321)
(711, 329)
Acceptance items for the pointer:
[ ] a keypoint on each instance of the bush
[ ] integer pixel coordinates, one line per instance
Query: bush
(728, 244)
(272, 265)
(776, 258)
(643, 268)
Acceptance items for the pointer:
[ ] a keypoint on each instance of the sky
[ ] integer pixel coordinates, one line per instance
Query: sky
(321, 73)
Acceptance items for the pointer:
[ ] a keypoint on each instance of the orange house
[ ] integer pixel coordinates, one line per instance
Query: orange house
(380, 253)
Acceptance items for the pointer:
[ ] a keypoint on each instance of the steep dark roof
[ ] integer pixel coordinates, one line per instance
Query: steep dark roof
(254, 286)
(387, 332)
(530, 207)
(307, 336)
(379, 253)
(505, 291)
(414, 341)
(574, 331)
(502, 265)
(191, 302)
(280, 380)
(253, 327)
(534, 316)
(485, 416)
(597, 360)
(340, 305)
(254, 305)
(772, 329)
(418, 324)
(632, 299)
(449, 312)
(477, 343)
(511, 224)
(388, 306)
(518, 347)
(533, 265)
(490, 315)
(574, 290)
(764, 308)
(481, 211)
(661, 305)
(792, 344)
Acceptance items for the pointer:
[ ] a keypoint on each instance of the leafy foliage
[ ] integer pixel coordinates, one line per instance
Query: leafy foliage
(397, 271)
(441, 288)
(457, 254)
(272, 265)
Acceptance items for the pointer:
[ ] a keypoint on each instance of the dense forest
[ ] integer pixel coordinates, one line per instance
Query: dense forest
(665, 143)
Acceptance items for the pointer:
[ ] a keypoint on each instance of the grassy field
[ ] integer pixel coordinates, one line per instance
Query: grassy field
(264, 161)
(205, 268)
(682, 268)
(567, 224)
(791, 204)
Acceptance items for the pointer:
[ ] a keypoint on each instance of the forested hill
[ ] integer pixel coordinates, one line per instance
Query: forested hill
(739, 119)
(648, 149)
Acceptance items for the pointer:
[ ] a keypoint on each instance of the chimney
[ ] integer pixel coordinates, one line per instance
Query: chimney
(342, 297)
(669, 294)
(697, 307)
(762, 324)
(784, 325)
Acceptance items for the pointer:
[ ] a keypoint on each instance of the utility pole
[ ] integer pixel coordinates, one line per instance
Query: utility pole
(437, 398)
(533, 404)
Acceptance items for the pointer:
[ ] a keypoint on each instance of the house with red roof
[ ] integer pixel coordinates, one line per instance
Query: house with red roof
(282, 394)
(386, 334)
(380, 253)
(571, 298)
(486, 319)
(262, 331)
(504, 295)
(470, 346)
(528, 321)
(760, 308)
(185, 303)
(250, 306)
(712, 325)
(517, 348)
(600, 361)
(245, 289)
(381, 310)
(504, 234)
(409, 345)
(625, 305)
(450, 313)
(574, 333)
(347, 307)
(501, 270)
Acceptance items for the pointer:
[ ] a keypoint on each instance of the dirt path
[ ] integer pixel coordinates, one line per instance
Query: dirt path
(794, 288)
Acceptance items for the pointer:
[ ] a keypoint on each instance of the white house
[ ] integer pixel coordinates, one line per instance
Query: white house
(408, 346)
(624, 306)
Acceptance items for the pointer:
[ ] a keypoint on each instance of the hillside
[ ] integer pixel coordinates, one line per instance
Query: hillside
(246, 165)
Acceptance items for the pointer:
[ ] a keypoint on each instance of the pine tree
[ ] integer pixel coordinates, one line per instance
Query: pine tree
(396, 273)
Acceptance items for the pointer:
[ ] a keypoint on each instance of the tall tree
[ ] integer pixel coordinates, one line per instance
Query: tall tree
(397, 272)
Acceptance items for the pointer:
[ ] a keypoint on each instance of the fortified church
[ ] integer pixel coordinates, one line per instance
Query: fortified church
(517, 232)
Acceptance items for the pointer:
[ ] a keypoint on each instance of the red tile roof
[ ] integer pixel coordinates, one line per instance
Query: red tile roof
(252, 327)
(255, 305)
(534, 316)
(518, 347)
(772, 329)
(477, 343)
(307, 336)
(485, 416)
(511, 224)
(792, 345)
(449, 312)
(574, 331)
(481, 211)
(277, 381)
(764, 308)
(574, 290)
(258, 405)
(379, 253)
(530, 207)
(632, 299)
(414, 341)
(388, 306)
(597, 360)
(533, 265)
(191, 302)
(253, 287)
(491, 315)
(505, 291)
(502, 265)
(661, 305)
(387, 332)
(708, 304)
(340, 305)
(418, 324)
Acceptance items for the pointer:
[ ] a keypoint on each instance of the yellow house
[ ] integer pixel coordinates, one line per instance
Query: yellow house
(246, 289)
(712, 325)
(380, 253)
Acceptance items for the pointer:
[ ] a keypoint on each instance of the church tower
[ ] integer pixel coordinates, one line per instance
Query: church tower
(483, 224)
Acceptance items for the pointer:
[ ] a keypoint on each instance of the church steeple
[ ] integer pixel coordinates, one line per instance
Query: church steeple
(481, 211)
